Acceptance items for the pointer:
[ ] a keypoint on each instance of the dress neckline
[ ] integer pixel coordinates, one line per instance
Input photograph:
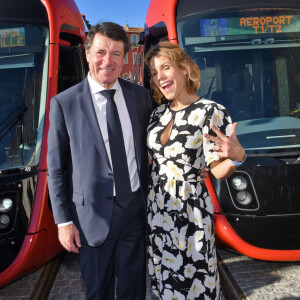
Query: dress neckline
(175, 111)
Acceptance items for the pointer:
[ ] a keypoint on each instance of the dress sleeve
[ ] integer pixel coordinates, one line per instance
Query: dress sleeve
(217, 115)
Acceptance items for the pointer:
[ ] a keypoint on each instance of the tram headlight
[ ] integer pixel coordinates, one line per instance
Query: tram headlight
(243, 198)
(4, 221)
(6, 205)
(239, 183)
(242, 191)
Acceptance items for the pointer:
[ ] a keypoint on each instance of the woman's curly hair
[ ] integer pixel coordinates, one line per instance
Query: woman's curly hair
(181, 59)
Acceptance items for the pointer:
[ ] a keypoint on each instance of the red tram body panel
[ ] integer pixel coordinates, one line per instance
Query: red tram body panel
(248, 55)
(41, 54)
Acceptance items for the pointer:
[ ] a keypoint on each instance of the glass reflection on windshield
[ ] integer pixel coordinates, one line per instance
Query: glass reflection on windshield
(258, 83)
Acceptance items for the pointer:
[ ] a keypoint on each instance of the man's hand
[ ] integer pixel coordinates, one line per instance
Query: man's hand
(68, 236)
(203, 174)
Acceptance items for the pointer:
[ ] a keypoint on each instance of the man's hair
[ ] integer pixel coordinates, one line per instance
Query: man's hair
(109, 29)
(181, 59)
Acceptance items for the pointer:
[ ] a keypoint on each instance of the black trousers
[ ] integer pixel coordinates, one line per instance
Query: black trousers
(120, 261)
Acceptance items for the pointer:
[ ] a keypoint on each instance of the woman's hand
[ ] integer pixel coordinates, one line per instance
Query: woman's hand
(227, 147)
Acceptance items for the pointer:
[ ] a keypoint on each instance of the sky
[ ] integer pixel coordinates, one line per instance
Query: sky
(131, 12)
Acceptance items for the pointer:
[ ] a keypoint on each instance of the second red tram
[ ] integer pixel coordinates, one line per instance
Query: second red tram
(41, 54)
(248, 52)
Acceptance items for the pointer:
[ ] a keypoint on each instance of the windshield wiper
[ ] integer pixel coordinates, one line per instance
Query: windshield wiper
(12, 120)
(297, 161)
(276, 154)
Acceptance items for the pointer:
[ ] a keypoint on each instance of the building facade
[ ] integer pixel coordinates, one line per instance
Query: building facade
(134, 60)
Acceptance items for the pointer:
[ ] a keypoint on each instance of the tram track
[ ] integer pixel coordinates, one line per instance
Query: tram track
(228, 283)
(44, 284)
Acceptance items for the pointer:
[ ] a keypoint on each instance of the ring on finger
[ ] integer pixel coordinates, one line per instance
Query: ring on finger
(219, 149)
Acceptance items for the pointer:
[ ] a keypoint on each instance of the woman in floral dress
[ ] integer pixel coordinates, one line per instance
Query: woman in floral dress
(185, 135)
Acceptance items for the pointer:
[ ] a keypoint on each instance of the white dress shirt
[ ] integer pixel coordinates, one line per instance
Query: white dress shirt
(99, 102)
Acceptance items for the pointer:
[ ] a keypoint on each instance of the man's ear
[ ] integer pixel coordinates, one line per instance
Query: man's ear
(87, 55)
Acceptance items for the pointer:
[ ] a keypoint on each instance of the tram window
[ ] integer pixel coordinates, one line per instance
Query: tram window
(70, 67)
(23, 85)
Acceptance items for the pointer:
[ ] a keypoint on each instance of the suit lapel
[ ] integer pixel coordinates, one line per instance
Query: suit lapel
(85, 101)
(131, 100)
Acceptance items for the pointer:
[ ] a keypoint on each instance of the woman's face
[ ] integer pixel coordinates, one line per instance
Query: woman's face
(168, 77)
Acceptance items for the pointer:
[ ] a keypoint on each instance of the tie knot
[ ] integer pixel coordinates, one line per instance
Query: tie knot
(108, 94)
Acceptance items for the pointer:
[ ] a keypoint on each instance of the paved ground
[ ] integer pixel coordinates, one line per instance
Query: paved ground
(69, 285)
(264, 280)
(259, 280)
(22, 288)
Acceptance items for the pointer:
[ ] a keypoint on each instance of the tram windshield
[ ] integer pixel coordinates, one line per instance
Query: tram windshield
(23, 86)
(250, 63)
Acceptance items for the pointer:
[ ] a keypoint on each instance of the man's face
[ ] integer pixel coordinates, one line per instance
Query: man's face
(105, 58)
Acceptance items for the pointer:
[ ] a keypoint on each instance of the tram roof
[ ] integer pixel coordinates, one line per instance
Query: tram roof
(59, 15)
(188, 7)
(164, 11)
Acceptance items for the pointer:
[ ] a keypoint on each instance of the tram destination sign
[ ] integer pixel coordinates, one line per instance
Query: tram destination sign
(12, 37)
(249, 25)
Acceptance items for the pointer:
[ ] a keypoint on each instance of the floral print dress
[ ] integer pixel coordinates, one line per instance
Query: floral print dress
(181, 243)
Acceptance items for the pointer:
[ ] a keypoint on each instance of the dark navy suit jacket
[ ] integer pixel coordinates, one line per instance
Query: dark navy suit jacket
(80, 177)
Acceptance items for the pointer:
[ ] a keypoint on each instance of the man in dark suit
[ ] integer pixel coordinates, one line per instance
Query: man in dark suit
(95, 213)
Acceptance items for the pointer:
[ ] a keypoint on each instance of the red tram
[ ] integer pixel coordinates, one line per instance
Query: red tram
(248, 52)
(41, 54)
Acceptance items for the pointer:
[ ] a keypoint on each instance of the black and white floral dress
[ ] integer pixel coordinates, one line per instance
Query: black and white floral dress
(181, 242)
